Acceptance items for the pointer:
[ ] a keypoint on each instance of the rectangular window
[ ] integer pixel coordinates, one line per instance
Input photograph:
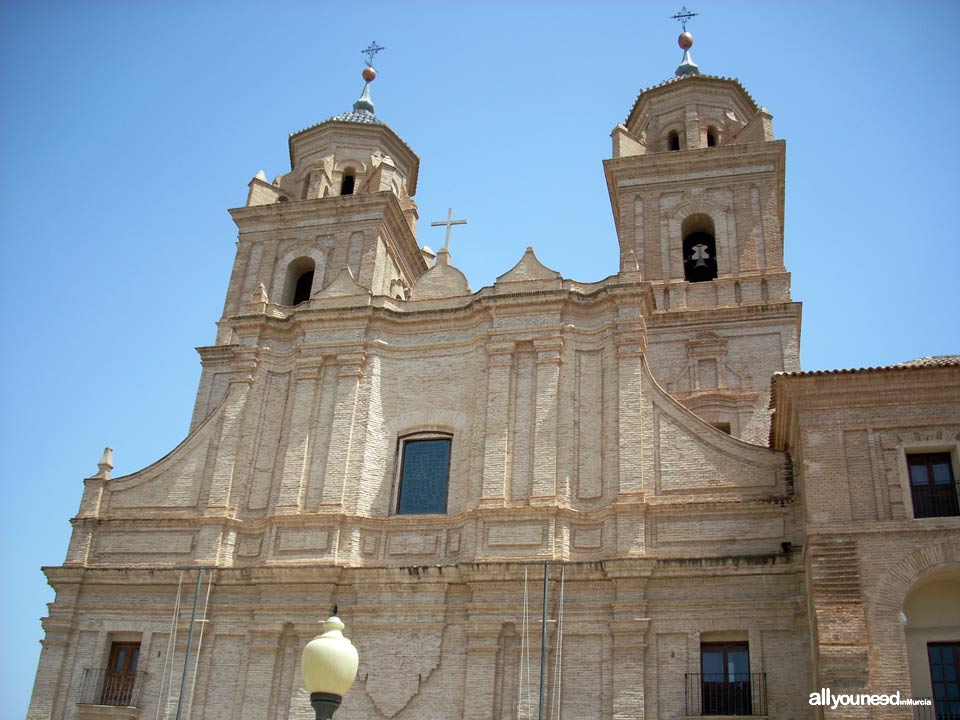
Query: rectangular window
(945, 678)
(932, 485)
(424, 474)
(121, 674)
(725, 672)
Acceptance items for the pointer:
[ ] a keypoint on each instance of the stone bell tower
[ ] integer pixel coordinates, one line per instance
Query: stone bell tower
(342, 221)
(696, 183)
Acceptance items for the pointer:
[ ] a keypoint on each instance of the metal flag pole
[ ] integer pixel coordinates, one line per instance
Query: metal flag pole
(543, 637)
(186, 655)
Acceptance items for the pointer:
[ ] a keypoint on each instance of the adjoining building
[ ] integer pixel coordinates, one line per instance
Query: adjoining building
(370, 433)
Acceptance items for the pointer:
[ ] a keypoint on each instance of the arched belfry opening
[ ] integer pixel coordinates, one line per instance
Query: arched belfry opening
(711, 136)
(299, 281)
(699, 248)
(673, 140)
(348, 182)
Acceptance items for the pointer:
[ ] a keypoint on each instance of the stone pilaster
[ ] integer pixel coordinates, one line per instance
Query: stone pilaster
(50, 671)
(229, 442)
(747, 226)
(628, 648)
(482, 647)
(544, 490)
(499, 363)
(262, 644)
(349, 375)
(630, 342)
(292, 481)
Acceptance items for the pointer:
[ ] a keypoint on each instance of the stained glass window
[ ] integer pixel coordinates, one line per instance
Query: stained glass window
(424, 471)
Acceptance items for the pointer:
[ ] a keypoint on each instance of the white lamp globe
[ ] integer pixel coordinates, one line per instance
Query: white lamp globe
(330, 661)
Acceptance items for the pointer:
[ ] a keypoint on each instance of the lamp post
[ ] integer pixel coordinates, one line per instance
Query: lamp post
(329, 663)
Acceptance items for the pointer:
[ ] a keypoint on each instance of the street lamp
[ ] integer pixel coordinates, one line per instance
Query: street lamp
(329, 665)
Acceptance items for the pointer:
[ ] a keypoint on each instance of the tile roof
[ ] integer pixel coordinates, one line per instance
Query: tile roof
(924, 362)
(680, 78)
(358, 116)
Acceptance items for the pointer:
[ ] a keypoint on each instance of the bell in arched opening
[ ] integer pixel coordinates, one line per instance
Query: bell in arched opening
(699, 249)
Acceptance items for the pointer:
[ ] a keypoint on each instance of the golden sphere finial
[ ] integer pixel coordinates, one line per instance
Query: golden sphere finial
(685, 41)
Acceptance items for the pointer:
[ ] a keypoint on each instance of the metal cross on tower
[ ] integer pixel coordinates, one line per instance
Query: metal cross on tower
(683, 16)
(449, 222)
(371, 50)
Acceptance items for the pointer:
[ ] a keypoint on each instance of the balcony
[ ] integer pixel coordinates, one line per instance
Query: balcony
(726, 695)
(105, 694)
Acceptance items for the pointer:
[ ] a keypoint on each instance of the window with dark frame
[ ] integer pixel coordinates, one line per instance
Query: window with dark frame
(933, 487)
(945, 678)
(424, 474)
(121, 674)
(725, 673)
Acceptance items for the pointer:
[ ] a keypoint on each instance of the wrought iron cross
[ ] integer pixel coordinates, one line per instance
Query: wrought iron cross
(449, 222)
(683, 16)
(371, 50)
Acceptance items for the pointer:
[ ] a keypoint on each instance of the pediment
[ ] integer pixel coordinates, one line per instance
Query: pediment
(343, 285)
(528, 269)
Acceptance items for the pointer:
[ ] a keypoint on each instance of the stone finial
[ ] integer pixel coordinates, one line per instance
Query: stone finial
(258, 300)
(106, 464)
(628, 262)
(261, 175)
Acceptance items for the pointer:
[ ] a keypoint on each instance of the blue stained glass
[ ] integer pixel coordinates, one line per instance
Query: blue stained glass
(423, 476)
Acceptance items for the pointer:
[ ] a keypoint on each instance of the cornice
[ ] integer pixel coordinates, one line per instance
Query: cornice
(482, 306)
(710, 316)
(697, 160)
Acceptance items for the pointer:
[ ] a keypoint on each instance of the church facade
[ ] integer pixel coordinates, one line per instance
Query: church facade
(370, 433)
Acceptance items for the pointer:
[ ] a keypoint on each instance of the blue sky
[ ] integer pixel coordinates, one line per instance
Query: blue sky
(128, 129)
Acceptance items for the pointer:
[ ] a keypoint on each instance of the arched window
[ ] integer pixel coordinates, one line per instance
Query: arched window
(299, 281)
(699, 248)
(711, 136)
(424, 473)
(301, 293)
(673, 140)
(346, 185)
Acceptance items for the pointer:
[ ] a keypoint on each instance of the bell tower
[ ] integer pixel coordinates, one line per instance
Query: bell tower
(696, 184)
(341, 222)
(347, 202)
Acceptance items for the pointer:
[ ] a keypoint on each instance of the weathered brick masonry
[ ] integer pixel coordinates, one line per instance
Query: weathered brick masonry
(619, 429)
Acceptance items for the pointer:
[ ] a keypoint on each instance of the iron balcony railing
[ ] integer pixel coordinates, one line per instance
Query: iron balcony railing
(935, 501)
(943, 710)
(103, 687)
(739, 694)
